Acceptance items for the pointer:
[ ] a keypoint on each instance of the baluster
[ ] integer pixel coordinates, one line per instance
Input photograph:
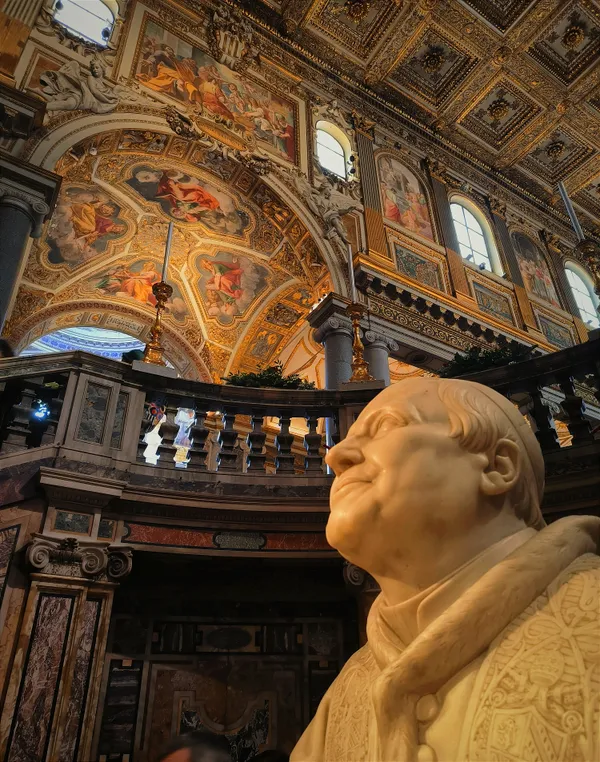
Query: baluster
(546, 434)
(256, 441)
(168, 433)
(150, 438)
(284, 462)
(19, 434)
(574, 407)
(227, 458)
(312, 442)
(199, 434)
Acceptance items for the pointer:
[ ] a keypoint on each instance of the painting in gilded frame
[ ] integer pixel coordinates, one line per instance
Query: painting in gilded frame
(135, 281)
(188, 199)
(492, 302)
(555, 333)
(534, 268)
(418, 268)
(229, 283)
(83, 224)
(402, 197)
(170, 66)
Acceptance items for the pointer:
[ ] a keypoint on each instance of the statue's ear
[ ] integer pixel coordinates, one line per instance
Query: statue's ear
(503, 469)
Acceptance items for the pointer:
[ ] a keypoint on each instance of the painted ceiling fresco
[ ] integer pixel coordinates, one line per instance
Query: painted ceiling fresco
(243, 268)
(167, 64)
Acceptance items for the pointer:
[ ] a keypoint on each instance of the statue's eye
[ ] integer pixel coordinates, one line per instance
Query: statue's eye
(383, 425)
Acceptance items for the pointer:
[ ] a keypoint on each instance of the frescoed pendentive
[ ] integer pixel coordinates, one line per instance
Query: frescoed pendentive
(402, 197)
(84, 222)
(172, 67)
(135, 281)
(229, 283)
(188, 199)
(534, 268)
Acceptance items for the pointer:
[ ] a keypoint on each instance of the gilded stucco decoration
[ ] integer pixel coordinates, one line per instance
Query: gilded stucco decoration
(235, 298)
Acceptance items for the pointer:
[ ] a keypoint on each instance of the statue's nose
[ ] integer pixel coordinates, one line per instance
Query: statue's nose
(344, 455)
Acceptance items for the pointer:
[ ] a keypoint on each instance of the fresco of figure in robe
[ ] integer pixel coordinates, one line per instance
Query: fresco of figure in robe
(534, 268)
(402, 197)
(229, 283)
(188, 199)
(172, 67)
(84, 222)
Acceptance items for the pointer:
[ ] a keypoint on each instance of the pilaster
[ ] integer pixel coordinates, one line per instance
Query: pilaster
(373, 214)
(62, 637)
(17, 18)
(437, 176)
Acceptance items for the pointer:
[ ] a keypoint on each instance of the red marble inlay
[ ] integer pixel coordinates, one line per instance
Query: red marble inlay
(155, 535)
(296, 541)
(150, 534)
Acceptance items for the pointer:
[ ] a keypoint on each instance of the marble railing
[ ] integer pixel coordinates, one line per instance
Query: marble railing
(87, 407)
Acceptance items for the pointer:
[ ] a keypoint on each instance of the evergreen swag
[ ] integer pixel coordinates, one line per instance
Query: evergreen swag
(271, 377)
(477, 359)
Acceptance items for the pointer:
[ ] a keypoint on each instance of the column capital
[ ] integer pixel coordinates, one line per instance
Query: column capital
(30, 189)
(379, 339)
(79, 558)
(328, 317)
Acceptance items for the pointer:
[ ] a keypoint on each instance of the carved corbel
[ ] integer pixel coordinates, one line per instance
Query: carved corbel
(498, 207)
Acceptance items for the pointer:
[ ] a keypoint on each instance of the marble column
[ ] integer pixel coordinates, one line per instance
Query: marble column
(333, 329)
(377, 353)
(27, 197)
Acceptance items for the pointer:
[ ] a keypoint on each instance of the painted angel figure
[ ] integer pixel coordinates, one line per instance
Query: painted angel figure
(152, 438)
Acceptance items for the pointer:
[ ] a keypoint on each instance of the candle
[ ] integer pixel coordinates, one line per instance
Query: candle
(351, 273)
(163, 277)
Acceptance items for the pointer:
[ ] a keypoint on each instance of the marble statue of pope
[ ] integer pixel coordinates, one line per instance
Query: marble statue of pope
(484, 643)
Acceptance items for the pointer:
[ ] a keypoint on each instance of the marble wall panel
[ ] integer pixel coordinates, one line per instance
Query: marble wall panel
(36, 701)
(119, 422)
(8, 542)
(77, 523)
(93, 413)
(80, 683)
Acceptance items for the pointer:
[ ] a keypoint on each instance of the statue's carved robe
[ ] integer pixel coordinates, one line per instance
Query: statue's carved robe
(502, 666)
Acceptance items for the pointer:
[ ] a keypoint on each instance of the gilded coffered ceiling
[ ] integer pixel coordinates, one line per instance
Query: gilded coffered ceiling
(515, 85)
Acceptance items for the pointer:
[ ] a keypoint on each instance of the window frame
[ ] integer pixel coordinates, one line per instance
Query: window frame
(493, 254)
(341, 139)
(588, 283)
(112, 7)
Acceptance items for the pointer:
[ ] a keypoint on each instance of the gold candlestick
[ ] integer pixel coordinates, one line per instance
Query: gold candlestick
(360, 367)
(153, 352)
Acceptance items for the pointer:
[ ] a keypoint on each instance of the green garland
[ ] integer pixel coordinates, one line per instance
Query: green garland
(271, 377)
(477, 359)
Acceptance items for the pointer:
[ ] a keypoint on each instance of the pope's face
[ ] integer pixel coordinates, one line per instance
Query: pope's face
(400, 481)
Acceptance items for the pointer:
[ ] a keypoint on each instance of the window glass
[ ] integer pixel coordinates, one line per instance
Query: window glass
(584, 298)
(473, 246)
(90, 19)
(330, 153)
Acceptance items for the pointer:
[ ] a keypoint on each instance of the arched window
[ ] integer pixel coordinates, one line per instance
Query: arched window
(475, 237)
(333, 149)
(584, 295)
(91, 19)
